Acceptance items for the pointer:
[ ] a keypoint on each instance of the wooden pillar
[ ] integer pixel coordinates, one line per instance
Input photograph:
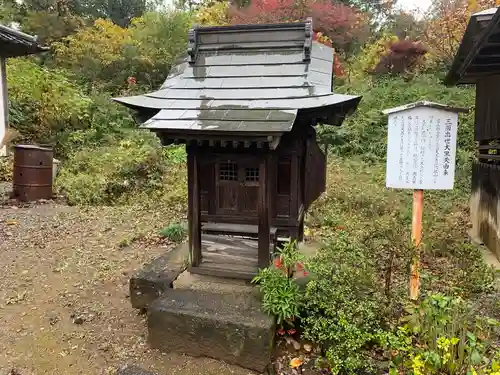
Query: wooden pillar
(300, 236)
(263, 211)
(4, 110)
(194, 206)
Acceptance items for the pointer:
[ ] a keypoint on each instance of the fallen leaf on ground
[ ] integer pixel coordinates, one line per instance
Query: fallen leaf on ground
(295, 362)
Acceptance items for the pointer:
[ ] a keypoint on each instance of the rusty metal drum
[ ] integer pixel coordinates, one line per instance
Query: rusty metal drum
(33, 173)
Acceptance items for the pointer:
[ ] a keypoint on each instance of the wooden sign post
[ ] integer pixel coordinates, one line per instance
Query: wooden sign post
(416, 237)
(421, 148)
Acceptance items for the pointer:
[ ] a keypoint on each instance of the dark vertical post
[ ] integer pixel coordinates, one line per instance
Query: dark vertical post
(194, 208)
(272, 171)
(263, 210)
(295, 181)
(300, 236)
(190, 200)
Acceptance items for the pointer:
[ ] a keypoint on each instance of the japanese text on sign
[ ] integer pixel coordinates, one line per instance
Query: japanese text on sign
(421, 149)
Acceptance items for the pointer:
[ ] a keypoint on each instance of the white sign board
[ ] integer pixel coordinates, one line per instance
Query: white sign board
(421, 149)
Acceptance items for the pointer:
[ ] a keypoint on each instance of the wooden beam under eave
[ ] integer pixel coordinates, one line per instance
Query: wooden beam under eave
(480, 66)
(482, 55)
(274, 143)
(485, 73)
(263, 213)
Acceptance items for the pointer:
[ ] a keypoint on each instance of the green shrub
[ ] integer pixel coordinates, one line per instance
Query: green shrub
(6, 168)
(132, 169)
(106, 123)
(175, 154)
(44, 103)
(281, 295)
(442, 335)
(342, 306)
(174, 232)
(475, 276)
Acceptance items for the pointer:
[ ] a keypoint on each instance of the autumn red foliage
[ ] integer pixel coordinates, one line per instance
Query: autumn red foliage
(342, 24)
(402, 57)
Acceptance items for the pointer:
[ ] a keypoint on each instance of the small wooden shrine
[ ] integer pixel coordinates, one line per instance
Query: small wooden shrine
(245, 101)
(478, 62)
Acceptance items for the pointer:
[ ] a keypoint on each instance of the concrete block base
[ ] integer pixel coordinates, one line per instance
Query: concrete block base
(227, 327)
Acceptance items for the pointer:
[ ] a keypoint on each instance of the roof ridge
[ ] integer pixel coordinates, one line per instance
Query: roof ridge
(240, 37)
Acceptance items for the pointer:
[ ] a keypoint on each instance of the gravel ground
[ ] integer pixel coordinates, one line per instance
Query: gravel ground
(64, 305)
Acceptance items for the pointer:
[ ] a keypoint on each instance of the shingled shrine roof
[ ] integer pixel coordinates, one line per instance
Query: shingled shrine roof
(478, 52)
(14, 43)
(247, 78)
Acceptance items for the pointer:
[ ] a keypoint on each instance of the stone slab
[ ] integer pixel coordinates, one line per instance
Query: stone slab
(150, 282)
(133, 370)
(187, 280)
(227, 327)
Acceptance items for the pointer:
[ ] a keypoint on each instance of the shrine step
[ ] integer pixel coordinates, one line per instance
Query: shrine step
(235, 229)
(224, 326)
(154, 278)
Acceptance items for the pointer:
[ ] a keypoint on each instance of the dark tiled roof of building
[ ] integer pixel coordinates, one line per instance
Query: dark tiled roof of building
(247, 78)
(14, 43)
(478, 52)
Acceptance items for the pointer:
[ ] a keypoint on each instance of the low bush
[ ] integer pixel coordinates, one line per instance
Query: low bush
(106, 123)
(342, 305)
(443, 335)
(281, 294)
(174, 232)
(6, 168)
(115, 173)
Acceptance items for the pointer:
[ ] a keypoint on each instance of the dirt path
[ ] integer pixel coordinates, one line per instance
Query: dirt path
(64, 305)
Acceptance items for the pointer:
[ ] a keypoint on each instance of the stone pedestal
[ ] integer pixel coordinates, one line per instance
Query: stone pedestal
(224, 326)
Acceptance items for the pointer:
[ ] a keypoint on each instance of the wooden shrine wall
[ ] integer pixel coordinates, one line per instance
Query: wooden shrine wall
(485, 197)
(229, 188)
(315, 170)
(229, 181)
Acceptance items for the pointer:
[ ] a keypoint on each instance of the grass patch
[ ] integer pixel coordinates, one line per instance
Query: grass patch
(174, 232)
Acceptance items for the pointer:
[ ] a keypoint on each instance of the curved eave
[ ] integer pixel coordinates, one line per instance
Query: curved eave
(477, 54)
(144, 102)
(334, 113)
(203, 114)
(14, 43)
